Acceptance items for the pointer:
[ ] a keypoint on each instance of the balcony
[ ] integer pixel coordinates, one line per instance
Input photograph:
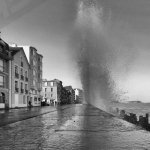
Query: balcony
(21, 64)
(16, 89)
(22, 90)
(26, 91)
(26, 79)
(16, 75)
(22, 77)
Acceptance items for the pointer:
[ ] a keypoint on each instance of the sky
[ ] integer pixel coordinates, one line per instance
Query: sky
(49, 26)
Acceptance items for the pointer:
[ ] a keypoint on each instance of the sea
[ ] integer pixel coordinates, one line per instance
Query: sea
(136, 108)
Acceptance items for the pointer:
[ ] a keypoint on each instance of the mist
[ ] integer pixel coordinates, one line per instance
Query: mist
(107, 56)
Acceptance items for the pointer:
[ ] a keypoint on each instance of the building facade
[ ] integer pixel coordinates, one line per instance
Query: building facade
(65, 96)
(78, 95)
(20, 78)
(35, 74)
(51, 91)
(5, 60)
(72, 92)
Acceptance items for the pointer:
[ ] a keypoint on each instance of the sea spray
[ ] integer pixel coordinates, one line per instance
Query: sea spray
(103, 58)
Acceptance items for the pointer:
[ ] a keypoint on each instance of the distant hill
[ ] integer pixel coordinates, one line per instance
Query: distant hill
(134, 102)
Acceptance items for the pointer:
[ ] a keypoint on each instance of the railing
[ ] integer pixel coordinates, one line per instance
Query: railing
(21, 64)
(2, 99)
(1, 68)
(2, 84)
(26, 79)
(26, 91)
(22, 77)
(16, 75)
(16, 89)
(22, 90)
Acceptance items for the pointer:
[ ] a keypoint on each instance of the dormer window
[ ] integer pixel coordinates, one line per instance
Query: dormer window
(21, 61)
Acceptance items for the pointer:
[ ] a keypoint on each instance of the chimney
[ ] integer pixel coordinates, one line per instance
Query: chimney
(0, 34)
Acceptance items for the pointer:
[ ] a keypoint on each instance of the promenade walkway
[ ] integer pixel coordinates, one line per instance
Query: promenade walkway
(73, 127)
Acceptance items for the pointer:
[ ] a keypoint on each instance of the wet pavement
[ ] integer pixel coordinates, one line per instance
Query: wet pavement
(77, 127)
(14, 115)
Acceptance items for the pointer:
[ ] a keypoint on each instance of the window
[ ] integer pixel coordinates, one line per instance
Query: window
(1, 65)
(33, 62)
(16, 69)
(51, 95)
(21, 85)
(40, 67)
(32, 52)
(26, 74)
(45, 83)
(35, 100)
(51, 89)
(52, 83)
(1, 81)
(2, 97)
(16, 86)
(26, 87)
(34, 72)
(21, 61)
(39, 76)
(40, 59)
(39, 85)
(45, 95)
(24, 99)
(33, 82)
(45, 89)
(21, 71)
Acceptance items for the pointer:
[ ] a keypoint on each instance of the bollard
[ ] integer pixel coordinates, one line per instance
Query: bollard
(147, 118)
(141, 121)
(126, 117)
(133, 118)
(146, 121)
(122, 113)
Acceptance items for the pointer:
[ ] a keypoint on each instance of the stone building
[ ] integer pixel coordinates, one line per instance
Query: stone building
(78, 95)
(51, 91)
(35, 74)
(65, 96)
(5, 75)
(20, 78)
(72, 93)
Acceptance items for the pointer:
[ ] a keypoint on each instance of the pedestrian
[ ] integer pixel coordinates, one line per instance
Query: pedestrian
(29, 103)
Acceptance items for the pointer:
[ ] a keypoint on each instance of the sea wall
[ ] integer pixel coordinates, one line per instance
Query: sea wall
(142, 121)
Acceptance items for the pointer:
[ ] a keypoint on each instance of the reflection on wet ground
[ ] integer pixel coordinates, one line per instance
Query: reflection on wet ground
(14, 115)
(79, 127)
